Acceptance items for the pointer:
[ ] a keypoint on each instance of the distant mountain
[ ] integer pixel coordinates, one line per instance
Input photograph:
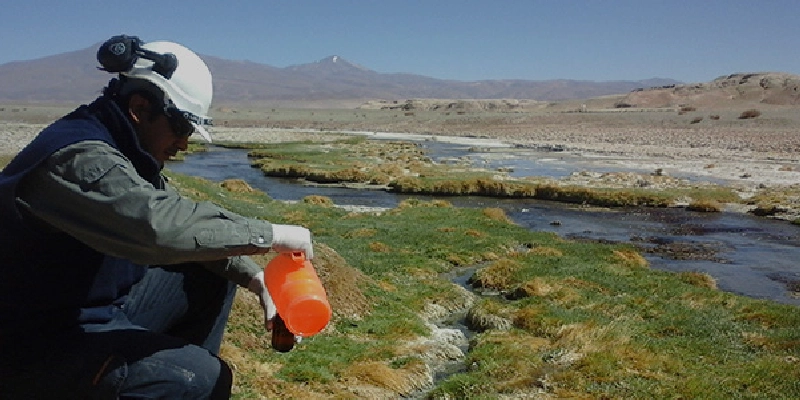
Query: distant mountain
(65, 77)
(332, 65)
(73, 77)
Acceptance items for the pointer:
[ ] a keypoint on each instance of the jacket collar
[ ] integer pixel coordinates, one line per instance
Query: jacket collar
(106, 111)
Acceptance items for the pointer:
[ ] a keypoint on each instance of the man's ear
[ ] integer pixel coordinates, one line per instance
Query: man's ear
(138, 106)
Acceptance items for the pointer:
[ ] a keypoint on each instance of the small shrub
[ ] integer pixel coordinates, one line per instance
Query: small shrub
(497, 214)
(699, 279)
(498, 275)
(324, 201)
(474, 233)
(237, 186)
(767, 211)
(749, 114)
(379, 247)
(705, 206)
(630, 257)
(546, 251)
(412, 202)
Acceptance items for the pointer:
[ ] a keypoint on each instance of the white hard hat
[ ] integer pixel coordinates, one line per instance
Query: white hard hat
(189, 88)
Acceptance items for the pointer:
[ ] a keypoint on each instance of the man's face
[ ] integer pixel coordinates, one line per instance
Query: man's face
(157, 135)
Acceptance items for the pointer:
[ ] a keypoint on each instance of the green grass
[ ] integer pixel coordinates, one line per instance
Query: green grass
(611, 330)
(405, 168)
(584, 320)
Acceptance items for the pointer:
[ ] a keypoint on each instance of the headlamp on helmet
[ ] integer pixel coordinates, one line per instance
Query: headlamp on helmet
(179, 73)
(120, 53)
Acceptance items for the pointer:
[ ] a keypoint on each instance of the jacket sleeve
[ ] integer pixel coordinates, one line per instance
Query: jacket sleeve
(92, 192)
(239, 270)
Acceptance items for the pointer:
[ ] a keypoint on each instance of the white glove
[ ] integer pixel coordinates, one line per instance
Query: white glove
(292, 238)
(258, 287)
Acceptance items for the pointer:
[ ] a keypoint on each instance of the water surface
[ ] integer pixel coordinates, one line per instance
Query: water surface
(747, 255)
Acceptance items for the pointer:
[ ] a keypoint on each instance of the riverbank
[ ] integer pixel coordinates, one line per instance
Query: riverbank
(763, 170)
(745, 168)
(751, 157)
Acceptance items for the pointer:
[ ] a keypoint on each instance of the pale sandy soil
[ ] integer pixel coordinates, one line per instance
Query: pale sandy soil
(747, 154)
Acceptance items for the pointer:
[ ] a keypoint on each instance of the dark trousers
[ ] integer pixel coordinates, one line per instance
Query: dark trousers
(162, 344)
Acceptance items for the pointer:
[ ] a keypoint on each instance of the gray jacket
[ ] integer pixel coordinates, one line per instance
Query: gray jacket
(91, 191)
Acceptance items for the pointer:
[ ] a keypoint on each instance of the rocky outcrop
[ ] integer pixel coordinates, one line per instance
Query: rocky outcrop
(763, 87)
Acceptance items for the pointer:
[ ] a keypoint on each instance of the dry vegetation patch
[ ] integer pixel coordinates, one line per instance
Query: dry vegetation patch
(410, 377)
(630, 257)
(344, 284)
(237, 186)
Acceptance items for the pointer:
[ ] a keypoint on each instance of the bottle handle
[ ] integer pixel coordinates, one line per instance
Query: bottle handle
(297, 256)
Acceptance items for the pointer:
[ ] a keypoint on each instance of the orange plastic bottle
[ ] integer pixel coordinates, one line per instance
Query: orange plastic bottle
(298, 294)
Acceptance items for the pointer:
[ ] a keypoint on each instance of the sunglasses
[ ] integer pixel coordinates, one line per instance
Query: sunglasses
(179, 122)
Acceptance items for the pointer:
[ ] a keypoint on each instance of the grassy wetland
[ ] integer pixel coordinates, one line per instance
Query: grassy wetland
(403, 167)
(572, 319)
(567, 319)
(551, 318)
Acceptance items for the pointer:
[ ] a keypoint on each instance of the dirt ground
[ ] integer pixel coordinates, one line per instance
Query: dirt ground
(711, 143)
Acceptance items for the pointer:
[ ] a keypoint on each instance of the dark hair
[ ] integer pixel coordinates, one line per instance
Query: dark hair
(121, 89)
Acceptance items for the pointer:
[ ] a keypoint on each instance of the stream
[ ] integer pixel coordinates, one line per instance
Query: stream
(747, 255)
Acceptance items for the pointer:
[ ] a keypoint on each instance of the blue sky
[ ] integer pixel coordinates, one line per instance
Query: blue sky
(687, 40)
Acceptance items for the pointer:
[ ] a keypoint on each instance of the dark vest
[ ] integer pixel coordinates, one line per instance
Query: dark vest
(49, 281)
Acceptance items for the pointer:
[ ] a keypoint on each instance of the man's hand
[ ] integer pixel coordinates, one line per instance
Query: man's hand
(258, 287)
(292, 238)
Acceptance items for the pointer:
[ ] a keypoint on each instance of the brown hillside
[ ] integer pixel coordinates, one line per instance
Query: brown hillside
(757, 88)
